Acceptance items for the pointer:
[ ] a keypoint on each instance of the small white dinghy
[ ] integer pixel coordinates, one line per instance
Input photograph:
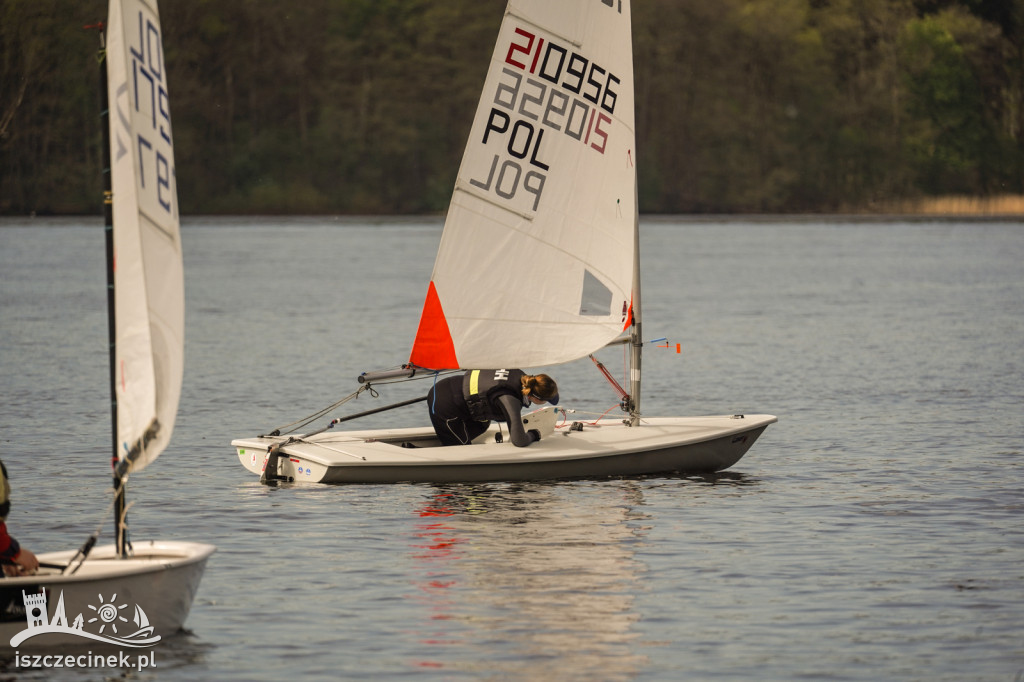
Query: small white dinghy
(161, 577)
(127, 594)
(657, 444)
(538, 265)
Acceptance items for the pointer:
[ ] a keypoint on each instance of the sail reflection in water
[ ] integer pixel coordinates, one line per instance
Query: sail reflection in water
(547, 586)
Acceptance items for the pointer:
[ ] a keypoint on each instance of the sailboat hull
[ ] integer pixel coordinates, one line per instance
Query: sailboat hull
(657, 445)
(161, 578)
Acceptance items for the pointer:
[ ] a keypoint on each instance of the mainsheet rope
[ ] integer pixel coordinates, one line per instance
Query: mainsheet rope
(305, 421)
(298, 424)
(90, 542)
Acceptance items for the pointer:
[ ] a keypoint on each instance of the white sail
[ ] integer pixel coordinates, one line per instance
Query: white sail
(148, 271)
(535, 265)
(140, 618)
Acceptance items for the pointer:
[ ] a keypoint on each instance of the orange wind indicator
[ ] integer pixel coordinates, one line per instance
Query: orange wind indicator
(679, 346)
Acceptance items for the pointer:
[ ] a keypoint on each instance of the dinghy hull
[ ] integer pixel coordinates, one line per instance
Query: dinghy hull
(161, 578)
(657, 445)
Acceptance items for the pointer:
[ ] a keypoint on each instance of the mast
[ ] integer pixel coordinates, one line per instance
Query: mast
(108, 230)
(636, 343)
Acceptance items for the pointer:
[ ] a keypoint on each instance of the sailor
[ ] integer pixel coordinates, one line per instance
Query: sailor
(16, 560)
(462, 407)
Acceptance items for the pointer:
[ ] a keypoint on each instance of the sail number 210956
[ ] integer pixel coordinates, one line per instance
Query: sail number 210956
(543, 87)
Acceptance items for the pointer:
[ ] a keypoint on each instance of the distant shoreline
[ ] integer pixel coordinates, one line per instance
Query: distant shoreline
(1008, 207)
(1003, 205)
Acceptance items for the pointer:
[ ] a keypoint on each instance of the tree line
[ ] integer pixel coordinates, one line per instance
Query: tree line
(363, 106)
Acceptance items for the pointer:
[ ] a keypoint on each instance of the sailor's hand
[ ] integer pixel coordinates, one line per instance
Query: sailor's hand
(27, 562)
(534, 435)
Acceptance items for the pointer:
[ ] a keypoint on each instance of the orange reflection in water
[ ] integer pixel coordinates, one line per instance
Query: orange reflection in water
(537, 579)
(436, 547)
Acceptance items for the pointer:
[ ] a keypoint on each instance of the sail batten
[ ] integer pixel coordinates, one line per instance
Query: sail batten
(460, 187)
(535, 265)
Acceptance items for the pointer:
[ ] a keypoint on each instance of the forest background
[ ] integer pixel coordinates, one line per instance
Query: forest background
(364, 106)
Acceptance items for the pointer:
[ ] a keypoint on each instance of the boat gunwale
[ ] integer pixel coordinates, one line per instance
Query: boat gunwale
(150, 556)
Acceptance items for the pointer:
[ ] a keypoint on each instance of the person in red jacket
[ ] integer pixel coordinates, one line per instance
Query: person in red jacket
(16, 560)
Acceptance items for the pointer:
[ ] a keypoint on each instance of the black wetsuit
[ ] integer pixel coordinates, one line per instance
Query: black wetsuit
(500, 400)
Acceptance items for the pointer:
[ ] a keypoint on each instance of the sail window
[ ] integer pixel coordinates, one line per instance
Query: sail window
(596, 298)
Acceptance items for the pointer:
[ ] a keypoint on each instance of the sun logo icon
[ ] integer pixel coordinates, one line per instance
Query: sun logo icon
(108, 613)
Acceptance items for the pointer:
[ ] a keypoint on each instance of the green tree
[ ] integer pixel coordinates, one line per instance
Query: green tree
(865, 112)
(363, 106)
(952, 141)
(49, 107)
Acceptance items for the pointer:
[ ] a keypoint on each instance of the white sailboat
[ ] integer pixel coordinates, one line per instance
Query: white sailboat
(538, 265)
(146, 309)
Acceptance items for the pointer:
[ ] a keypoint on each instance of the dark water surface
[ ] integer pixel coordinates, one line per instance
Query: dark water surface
(874, 533)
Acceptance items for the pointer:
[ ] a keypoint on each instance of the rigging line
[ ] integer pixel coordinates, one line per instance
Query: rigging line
(295, 425)
(298, 424)
(90, 542)
(433, 389)
(602, 414)
(625, 366)
(607, 375)
(376, 410)
(305, 421)
(326, 447)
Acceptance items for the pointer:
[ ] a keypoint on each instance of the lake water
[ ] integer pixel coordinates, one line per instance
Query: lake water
(874, 533)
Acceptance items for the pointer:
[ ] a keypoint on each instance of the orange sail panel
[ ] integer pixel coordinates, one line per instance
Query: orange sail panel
(433, 347)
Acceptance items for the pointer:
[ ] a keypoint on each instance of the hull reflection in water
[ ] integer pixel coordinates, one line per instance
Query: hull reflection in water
(522, 571)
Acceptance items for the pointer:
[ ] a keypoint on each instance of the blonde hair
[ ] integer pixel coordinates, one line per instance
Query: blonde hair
(541, 385)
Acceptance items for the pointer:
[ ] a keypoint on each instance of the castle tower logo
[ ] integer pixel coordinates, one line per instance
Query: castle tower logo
(35, 609)
(104, 622)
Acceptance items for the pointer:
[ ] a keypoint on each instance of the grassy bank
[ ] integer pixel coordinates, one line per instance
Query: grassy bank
(1003, 205)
